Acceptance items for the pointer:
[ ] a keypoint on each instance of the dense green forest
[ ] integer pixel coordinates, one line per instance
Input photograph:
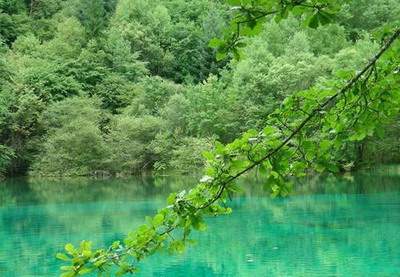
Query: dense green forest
(121, 87)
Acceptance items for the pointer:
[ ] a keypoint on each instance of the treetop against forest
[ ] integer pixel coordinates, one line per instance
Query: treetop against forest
(308, 132)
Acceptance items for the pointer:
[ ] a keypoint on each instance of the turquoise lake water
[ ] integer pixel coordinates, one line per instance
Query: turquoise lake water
(348, 226)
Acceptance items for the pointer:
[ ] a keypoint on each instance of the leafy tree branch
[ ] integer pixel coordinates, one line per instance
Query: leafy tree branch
(308, 140)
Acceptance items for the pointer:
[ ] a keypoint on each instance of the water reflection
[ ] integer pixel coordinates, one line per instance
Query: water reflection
(67, 190)
(329, 226)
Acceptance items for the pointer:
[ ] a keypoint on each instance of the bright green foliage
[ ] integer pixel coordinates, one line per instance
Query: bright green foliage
(120, 58)
(210, 110)
(175, 113)
(180, 155)
(249, 16)
(264, 80)
(74, 144)
(153, 93)
(368, 15)
(327, 39)
(174, 45)
(75, 149)
(386, 141)
(187, 158)
(92, 14)
(21, 128)
(128, 140)
(6, 154)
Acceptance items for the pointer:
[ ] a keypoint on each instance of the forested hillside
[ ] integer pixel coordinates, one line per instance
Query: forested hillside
(125, 86)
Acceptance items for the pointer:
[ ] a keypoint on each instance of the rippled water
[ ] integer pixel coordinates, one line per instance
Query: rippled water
(328, 227)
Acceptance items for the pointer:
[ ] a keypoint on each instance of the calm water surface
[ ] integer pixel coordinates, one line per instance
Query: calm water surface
(329, 226)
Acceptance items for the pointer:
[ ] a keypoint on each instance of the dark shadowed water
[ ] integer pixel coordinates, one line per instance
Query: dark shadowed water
(348, 226)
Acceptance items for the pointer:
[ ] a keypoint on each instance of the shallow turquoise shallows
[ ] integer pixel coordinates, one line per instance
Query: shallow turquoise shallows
(348, 226)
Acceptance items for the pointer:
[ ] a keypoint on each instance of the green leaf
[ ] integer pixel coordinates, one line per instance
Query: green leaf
(313, 21)
(67, 268)
(309, 146)
(236, 54)
(215, 43)
(344, 74)
(325, 145)
(325, 18)
(177, 246)
(251, 30)
(380, 132)
(277, 18)
(274, 174)
(298, 10)
(68, 274)
(171, 199)
(208, 155)
(85, 271)
(158, 220)
(69, 248)
(86, 245)
(360, 135)
(252, 23)
(116, 244)
(240, 44)
(221, 56)
(63, 257)
(333, 167)
(284, 12)
(269, 130)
